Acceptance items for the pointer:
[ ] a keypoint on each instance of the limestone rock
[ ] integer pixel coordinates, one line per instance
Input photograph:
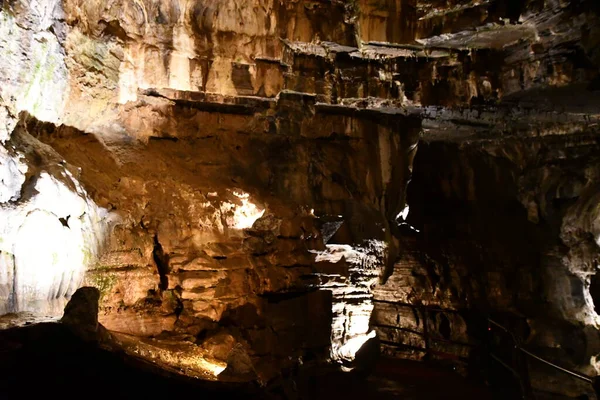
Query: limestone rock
(260, 182)
(51, 229)
(239, 365)
(81, 313)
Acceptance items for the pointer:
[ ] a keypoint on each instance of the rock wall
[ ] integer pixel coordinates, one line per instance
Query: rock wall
(33, 62)
(192, 247)
(51, 229)
(232, 175)
(496, 236)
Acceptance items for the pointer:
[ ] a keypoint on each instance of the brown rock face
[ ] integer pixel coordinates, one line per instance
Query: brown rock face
(81, 313)
(241, 182)
(192, 249)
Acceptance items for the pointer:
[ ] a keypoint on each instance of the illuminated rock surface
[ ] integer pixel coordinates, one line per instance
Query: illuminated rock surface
(51, 230)
(232, 176)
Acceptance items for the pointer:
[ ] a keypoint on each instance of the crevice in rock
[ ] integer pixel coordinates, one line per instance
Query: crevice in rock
(277, 297)
(595, 291)
(162, 263)
(164, 138)
(114, 29)
(444, 327)
(65, 221)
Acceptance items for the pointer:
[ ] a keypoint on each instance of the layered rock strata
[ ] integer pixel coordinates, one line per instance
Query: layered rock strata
(232, 175)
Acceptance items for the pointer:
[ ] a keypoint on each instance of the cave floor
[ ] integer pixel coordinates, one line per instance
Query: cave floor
(44, 360)
(397, 379)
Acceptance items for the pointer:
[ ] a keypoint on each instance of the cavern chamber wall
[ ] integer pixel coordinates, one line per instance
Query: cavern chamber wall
(502, 229)
(232, 175)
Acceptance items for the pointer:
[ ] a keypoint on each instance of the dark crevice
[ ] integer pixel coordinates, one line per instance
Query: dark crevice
(164, 138)
(277, 297)
(114, 29)
(65, 221)
(444, 327)
(162, 263)
(595, 291)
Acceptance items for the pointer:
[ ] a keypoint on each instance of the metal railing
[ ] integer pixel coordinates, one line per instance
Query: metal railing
(518, 366)
(523, 375)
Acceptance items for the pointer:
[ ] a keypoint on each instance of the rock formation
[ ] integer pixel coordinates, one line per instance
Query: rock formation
(81, 313)
(255, 185)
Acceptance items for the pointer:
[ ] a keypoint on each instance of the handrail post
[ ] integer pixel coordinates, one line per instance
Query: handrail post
(524, 368)
(519, 370)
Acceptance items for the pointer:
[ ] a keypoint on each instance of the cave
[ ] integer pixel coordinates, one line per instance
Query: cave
(293, 199)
